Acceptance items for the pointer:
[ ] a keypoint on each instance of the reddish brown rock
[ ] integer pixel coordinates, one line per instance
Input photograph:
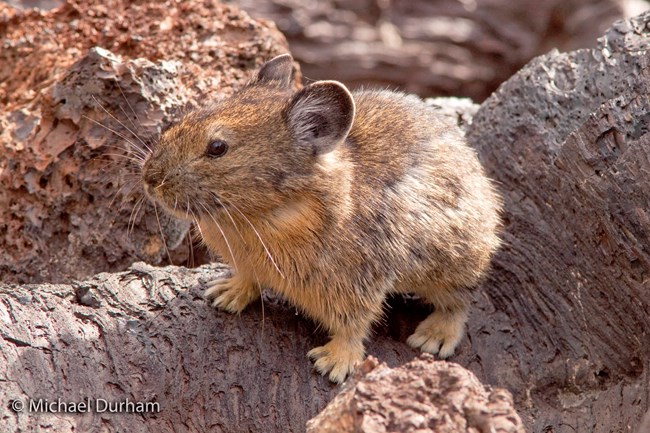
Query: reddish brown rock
(423, 396)
(77, 84)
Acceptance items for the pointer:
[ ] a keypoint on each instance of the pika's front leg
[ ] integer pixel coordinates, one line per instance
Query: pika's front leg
(348, 320)
(232, 293)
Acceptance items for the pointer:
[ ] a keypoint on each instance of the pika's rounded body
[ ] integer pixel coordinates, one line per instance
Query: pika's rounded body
(333, 200)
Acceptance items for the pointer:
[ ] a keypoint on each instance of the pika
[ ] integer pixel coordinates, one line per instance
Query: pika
(333, 200)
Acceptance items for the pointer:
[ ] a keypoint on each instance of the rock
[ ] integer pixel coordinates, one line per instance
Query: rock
(442, 48)
(645, 424)
(146, 335)
(83, 87)
(460, 110)
(421, 396)
(566, 138)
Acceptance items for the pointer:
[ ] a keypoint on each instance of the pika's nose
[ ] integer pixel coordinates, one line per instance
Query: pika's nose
(150, 175)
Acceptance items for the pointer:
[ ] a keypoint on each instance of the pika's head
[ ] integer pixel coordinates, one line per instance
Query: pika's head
(253, 151)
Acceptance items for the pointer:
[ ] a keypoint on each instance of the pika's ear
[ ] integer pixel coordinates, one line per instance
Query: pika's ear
(321, 115)
(276, 72)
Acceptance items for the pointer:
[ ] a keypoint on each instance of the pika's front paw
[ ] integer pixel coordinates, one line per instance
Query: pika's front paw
(439, 333)
(231, 294)
(338, 358)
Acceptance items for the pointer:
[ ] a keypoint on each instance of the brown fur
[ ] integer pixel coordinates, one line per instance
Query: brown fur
(333, 218)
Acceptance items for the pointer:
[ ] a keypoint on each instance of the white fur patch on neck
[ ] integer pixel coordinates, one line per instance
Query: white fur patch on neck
(335, 165)
(329, 161)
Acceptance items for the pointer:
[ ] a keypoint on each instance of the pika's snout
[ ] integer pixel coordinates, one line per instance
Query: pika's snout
(154, 178)
(150, 177)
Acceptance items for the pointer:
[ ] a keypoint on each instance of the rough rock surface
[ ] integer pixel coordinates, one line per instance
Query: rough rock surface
(147, 335)
(567, 140)
(434, 48)
(67, 78)
(422, 396)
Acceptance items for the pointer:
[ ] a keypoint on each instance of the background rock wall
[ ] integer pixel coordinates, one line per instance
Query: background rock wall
(73, 116)
(434, 48)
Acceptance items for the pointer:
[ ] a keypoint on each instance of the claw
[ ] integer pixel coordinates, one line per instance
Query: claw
(439, 333)
(338, 358)
(231, 294)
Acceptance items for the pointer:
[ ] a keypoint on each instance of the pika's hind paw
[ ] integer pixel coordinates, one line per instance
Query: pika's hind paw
(338, 358)
(439, 333)
(231, 294)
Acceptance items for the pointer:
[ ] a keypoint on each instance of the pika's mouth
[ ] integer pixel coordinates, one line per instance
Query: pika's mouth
(153, 193)
(147, 190)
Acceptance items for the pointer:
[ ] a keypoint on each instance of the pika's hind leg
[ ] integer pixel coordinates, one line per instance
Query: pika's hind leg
(232, 293)
(441, 332)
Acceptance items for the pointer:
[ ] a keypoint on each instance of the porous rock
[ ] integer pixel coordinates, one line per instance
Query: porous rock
(422, 396)
(83, 86)
(147, 335)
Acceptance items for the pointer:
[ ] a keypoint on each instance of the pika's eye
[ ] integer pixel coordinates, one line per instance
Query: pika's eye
(216, 148)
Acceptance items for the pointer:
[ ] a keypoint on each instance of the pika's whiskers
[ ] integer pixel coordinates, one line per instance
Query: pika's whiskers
(162, 235)
(268, 253)
(131, 186)
(225, 238)
(129, 158)
(149, 138)
(234, 224)
(255, 276)
(135, 146)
